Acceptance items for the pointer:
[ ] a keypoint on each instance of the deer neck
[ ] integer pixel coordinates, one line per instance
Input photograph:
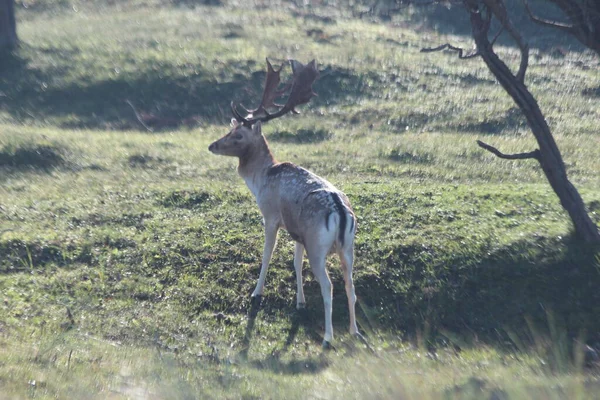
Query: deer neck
(253, 165)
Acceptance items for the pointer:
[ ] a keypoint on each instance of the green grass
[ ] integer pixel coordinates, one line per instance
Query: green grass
(127, 257)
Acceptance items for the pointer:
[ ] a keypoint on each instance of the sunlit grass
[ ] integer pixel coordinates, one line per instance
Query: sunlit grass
(78, 365)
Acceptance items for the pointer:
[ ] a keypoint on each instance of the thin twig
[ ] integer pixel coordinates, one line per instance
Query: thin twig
(138, 116)
(448, 46)
(497, 36)
(546, 22)
(69, 360)
(519, 156)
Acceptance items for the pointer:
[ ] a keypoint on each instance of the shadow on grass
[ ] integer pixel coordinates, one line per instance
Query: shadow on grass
(511, 121)
(32, 156)
(274, 362)
(301, 136)
(162, 101)
(487, 296)
(252, 313)
(591, 92)
(152, 99)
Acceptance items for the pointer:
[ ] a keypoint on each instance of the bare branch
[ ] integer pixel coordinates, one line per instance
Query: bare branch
(546, 22)
(519, 156)
(497, 36)
(499, 11)
(448, 46)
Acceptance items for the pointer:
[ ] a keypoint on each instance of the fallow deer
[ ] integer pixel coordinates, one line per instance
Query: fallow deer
(316, 214)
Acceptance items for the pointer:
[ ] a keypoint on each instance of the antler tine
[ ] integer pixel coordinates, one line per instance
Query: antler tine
(270, 93)
(301, 92)
(304, 77)
(237, 115)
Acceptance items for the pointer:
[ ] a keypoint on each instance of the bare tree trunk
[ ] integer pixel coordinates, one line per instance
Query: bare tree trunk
(549, 155)
(8, 26)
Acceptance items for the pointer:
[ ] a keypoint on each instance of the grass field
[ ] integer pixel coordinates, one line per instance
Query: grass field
(128, 255)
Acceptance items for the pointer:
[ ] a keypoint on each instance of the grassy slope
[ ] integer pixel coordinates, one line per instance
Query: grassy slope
(153, 245)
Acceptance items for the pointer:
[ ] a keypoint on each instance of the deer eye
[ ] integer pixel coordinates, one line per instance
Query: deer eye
(238, 136)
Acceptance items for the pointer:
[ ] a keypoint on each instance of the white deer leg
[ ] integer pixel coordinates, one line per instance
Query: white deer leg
(347, 259)
(270, 240)
(298, 258)
(317, 263)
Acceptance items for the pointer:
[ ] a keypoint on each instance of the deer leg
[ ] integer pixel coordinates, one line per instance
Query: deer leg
(347, 259)
(317, 264)
(298, 257)
(270, 240)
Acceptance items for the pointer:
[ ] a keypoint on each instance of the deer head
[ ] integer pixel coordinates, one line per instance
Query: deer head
(239, 141)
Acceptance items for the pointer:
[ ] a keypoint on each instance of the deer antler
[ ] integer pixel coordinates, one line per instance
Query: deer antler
(303, 76)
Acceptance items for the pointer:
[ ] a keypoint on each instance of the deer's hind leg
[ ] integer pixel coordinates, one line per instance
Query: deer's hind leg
(298, 258)
(317, 264)
(347, 260)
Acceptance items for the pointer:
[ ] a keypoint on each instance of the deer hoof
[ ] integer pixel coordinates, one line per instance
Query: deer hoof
(327, 346)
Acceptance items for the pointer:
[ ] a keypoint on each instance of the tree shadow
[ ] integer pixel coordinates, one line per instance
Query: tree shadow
(591, 92)
(28, 94)
(152, 100)
(512, 120)
(301, 136)
(18, 256)
(512, 287)
(494, 295)
(308, 365)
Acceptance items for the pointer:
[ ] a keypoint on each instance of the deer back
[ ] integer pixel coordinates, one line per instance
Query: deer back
(301, 201)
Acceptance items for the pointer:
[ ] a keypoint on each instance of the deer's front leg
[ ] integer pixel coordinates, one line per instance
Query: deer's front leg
(270, 240)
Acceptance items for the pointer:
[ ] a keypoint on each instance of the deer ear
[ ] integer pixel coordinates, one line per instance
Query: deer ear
(257, 128)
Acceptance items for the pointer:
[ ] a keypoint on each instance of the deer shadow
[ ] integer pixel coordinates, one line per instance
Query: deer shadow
(299, 319)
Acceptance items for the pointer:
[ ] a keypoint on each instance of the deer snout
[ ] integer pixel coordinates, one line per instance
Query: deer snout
(213, 147)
